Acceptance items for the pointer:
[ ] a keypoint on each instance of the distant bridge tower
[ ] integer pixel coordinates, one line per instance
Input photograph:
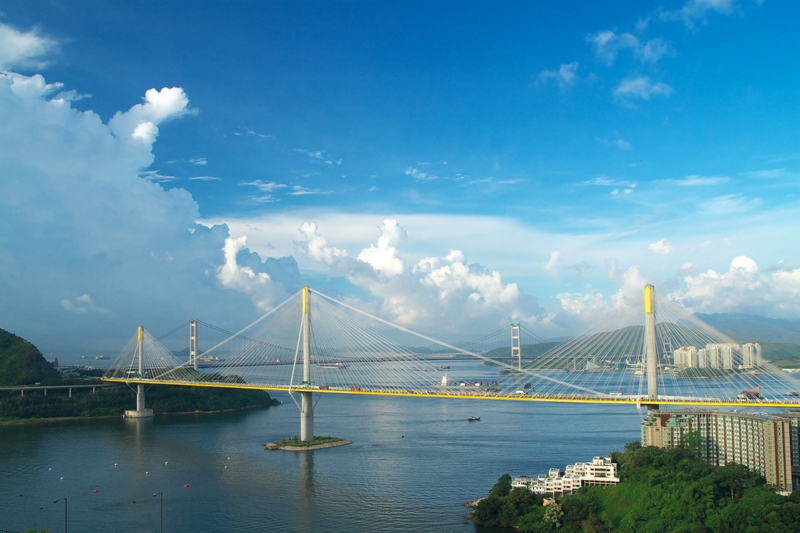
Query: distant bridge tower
(193, 344)
(306, 406)
(516, 346)
(650, 346)
(140, 411)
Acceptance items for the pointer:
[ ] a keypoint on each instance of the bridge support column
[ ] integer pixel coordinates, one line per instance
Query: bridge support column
(307, 405)
(651, 347)
(140, 397)
(306, 417)
(140, 411)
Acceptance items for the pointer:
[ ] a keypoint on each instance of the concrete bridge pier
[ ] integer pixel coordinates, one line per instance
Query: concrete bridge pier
(306, 417)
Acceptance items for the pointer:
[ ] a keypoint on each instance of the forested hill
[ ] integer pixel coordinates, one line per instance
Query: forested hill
(21, 363)
(529, 351)
(742, 327)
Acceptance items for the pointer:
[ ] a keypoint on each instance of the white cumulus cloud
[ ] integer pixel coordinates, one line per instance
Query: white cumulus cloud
(79, 219)
(383, 255)
(661, 247)
(316, 246)
(743, 288)
(142, 120)
(265, 292)
(448, 292)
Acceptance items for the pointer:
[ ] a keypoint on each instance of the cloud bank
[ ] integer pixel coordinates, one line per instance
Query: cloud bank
(88, 245)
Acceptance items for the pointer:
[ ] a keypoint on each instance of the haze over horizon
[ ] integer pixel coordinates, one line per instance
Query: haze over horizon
(452, 167)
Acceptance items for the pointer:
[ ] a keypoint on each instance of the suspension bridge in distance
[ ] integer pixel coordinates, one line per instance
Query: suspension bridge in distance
(313, 344)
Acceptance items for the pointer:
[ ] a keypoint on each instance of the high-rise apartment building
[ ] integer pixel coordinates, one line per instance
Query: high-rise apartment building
(751, 355)
(723, 356)
(765, 443)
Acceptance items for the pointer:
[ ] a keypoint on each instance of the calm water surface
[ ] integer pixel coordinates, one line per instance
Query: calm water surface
(412, 465)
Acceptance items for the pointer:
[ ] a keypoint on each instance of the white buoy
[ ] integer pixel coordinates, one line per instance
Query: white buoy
(49, 469)
(62, 479)
(166, 462)
(115, 465)
(146, 473)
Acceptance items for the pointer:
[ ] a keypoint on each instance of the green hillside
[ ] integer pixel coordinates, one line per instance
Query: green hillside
(781, 354)
(661, 491)
(21, 363)
(743, 328)
(529, 351)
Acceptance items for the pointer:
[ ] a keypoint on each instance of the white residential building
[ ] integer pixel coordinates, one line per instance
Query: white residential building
(600, 471)
(723, 356)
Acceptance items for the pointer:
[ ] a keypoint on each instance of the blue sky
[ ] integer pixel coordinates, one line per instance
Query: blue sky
(483, 162)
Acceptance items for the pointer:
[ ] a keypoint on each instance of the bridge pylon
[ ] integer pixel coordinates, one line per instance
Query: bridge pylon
(650, 347)
(306, 404)
(140, 411)
(193, 344)
(516, 346)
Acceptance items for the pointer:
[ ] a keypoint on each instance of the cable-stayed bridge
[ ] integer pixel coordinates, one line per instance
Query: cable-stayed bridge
(648, 352)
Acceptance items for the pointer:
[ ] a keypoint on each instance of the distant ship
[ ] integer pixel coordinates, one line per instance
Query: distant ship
(331, 365)
(208, 361)
(474, 419)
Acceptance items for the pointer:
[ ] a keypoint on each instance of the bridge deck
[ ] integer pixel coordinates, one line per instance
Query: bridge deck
(481, 395)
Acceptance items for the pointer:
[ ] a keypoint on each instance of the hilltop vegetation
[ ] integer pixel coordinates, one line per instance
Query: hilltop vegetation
(661, 490)
(21, 363)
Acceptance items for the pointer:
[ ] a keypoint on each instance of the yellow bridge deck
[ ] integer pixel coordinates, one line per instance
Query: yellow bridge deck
(480, 395)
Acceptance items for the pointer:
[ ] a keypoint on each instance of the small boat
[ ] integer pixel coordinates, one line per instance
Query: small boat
(474, 419)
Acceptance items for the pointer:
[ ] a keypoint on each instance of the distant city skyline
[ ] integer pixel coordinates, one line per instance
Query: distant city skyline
(453, 167)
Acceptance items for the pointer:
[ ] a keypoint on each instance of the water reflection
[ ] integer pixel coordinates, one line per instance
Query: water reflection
(307, 490)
